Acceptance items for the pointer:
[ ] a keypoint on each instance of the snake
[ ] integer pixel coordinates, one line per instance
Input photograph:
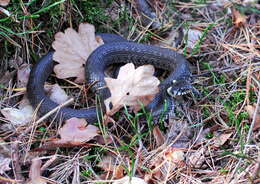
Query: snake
(148, 16)
(115, 49)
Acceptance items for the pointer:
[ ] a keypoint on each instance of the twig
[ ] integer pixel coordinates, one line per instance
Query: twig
(8, 180)
(254, 116)
(16, 165)
(53, 111)
(139, 151)
(48, 163)
(250, 129)
(227, 69)
(45, 117)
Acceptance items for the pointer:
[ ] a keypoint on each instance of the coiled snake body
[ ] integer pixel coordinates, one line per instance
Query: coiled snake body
(115, 50)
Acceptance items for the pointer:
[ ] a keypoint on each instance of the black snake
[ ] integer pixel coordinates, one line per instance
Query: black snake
(115, 50)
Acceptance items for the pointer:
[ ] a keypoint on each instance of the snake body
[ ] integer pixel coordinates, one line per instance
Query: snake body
(115, 50)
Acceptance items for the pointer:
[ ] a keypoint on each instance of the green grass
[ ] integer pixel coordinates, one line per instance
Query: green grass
(197, 46)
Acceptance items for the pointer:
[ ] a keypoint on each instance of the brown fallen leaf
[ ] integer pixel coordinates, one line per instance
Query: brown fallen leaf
(112, 167)
(174, 155)
(21, 115)
(23, 75)
(159, 136)
(72, 50)
(76, 132)
(251, 110)
(4, 2)
(132, 87)
(6, 78)
(25, 112)
(239, 20)
(197, 158)
(221, 139)
(170, 159)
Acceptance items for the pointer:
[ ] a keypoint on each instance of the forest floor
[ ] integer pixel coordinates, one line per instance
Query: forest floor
(213, 138)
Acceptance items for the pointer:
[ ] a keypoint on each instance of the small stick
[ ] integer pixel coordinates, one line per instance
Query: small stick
(254, 116)
(226, 69)
(45, 116)
(8, 180)
(16, 165)
(54, 110)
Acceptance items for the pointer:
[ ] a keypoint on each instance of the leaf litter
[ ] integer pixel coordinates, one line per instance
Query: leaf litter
(72, 50)
(225, 44)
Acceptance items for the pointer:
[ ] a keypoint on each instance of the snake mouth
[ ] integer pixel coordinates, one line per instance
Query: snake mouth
(179, 88)
(178, 92)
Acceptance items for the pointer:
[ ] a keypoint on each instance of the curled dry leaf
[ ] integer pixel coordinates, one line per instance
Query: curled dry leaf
(239, 20)
(21, 115)
(170, 158)
(221, 139)
(197, 158)
(159, 136)
(251, 110)
(174, 155)
(6, 78)
(23, 75)
(132, 87)
(76, 132)
(112, 166)
(4, 2)
(24, 113)
(18, 116)
(72, 50)
(35, 173)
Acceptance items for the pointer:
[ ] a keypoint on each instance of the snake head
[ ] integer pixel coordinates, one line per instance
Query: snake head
(181, 87)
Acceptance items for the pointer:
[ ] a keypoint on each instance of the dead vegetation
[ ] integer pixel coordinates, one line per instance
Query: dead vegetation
(210, 139)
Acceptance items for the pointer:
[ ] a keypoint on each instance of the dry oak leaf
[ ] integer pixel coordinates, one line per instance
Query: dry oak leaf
(197, 158)
(239, 20)
(72, 50)
(112, 165)
(159, 136)
(25, 112)
(221, 139)
(23, 75)
(132, 87)
(4, 2)
(251, 110)
(75, 132)
(174, 155)
(21, 115)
